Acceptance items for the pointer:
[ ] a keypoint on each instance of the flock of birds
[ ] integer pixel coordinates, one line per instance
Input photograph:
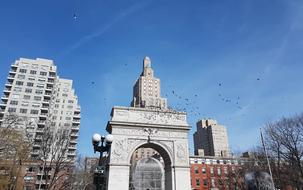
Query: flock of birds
(189, 105)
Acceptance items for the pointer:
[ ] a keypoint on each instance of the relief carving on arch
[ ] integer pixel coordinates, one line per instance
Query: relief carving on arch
(181, 153)
(155, 132)
(119, 150)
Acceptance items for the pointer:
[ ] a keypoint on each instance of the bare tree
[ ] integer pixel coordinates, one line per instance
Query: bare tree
(14, 151)
(284, 139)
(56, 164)
(79, 179)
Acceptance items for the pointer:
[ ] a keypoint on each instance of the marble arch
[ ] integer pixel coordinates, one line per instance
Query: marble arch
(164, 130)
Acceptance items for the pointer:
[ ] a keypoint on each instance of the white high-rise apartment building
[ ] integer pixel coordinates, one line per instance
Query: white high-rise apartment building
(211, 139)
(35, 92)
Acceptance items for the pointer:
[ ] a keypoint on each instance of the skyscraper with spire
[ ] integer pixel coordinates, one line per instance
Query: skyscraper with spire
(146, 92)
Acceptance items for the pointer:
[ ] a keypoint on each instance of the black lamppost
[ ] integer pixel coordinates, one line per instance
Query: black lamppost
(101, 144)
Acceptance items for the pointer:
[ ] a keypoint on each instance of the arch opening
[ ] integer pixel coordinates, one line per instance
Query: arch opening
(150, 168)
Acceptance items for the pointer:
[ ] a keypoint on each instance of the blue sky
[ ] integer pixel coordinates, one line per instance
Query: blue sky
(245, 51)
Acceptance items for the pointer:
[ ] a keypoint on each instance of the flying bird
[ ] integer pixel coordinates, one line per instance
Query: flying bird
(75, 17)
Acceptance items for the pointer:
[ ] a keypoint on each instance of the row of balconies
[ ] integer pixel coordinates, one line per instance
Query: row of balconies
(4, 98)
(13, 71)
(2, 106)
(10, 80)
(73, 147)
(47, 94)
(76, 120)
(52, 74)
(74, 128)
(74, 134)
(7, 89)
(77, 116)
(11, 76)
(43, 113)
(50, 80)
(8, 84)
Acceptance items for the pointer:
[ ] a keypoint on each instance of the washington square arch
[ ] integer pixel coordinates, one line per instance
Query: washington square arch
(150, 147)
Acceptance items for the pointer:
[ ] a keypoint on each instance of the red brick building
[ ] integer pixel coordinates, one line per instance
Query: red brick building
(216, 173)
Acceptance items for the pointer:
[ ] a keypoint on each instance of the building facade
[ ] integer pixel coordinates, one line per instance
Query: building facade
(216, 173)
(146, 92)
(211, 139)
(33, 91)
(43, 102)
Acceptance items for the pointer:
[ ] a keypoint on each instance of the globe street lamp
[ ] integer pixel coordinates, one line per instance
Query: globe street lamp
(101, 144)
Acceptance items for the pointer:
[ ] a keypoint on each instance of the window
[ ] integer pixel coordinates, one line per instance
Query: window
(28, 90)
(212, 171)
(42, 73)
(219, 171)
(196, 170)
(197, 182)
(15, 96)
(213, 182)
(34, 112)
(14, 102)
(36, 105)
(68, 118)
(205, 182)
(31, 79)
(41, 80)
(39, 91)
(23, 110)
(30, 84)
(11, 110)
(225, 170)
(40, 86)
(24, 104)
(70, 107)
(21, 76)
(204, 170)
(17, 89)
(64, 95)
(38, 98)
(19, 83)
(27, 97)
(22, 70)
(54, 117)
(70, 101)
(33, 72)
